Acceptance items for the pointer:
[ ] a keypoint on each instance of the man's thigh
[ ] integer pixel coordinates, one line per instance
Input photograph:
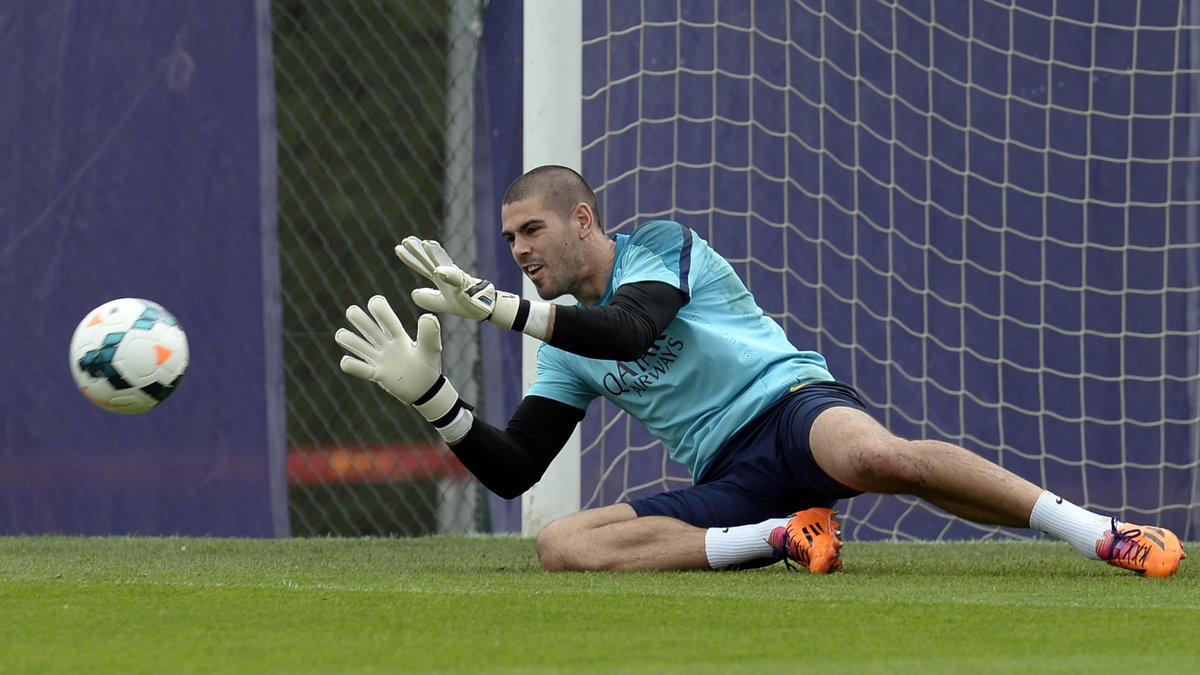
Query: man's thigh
(843, 440)
(593, 518)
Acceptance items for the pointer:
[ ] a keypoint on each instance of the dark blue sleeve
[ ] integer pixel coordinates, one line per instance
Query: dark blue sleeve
(508, 462)
(623, 329)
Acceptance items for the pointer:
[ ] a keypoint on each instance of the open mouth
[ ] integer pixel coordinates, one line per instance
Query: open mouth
(532, 271)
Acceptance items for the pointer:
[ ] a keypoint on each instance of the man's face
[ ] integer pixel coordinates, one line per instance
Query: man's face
(545, 245)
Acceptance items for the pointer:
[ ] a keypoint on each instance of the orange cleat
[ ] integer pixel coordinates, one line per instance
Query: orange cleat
(1152, 551)
(812, 538)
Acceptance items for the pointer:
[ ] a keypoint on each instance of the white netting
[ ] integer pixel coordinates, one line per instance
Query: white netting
(983, 213)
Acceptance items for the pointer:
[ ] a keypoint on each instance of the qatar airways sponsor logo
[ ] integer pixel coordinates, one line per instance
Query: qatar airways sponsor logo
(638, 376)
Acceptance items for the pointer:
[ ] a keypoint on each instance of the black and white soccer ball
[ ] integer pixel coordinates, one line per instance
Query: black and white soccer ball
(128, 355)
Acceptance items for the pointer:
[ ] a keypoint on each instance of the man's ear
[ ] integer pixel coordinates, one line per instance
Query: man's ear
(587, 220)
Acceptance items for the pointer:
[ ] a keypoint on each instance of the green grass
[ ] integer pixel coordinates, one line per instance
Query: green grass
(482, 605)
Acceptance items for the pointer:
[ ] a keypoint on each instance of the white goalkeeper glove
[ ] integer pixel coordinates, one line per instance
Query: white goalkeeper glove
(410, 371)
(463, 295)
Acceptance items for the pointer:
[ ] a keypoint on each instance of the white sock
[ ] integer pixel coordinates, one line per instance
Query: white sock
(727, 546)
(1063, 520)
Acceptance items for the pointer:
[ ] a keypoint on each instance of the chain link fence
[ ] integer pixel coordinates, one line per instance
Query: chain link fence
(374, 121)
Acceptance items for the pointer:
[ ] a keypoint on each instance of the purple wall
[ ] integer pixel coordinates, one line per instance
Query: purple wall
(138, 140)
(497, 164)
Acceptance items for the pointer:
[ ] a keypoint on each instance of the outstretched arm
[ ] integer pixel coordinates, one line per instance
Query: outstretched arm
(508, 462)
(622, 330)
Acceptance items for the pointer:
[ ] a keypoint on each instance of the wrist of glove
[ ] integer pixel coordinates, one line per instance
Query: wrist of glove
(516, 313)
(442, 407)
(382, 352)
(463, 295)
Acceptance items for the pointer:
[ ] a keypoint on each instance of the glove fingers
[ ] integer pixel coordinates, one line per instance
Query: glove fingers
(359, 369)
(429, 300)
(365, 325)
(427, 253)
(451, 275)
(436, 254)
(410, 251)
(353, 343)
(386, 316)
(429, 341)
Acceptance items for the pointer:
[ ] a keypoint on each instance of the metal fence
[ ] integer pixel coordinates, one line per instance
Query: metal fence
(374, 121)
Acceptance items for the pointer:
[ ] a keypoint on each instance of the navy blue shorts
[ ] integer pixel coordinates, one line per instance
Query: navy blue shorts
(765, 470)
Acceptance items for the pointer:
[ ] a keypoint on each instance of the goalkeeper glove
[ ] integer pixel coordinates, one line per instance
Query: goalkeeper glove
(410, 371)
(463, 295)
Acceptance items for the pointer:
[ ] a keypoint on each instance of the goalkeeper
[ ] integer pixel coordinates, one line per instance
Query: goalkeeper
(666, 330)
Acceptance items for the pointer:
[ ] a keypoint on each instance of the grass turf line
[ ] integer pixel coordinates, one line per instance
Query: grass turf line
(459, 604)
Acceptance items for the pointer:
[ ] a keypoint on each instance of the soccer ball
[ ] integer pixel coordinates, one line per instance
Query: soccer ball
(128, 355)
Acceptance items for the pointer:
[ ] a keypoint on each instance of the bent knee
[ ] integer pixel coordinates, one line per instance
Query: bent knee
(552, 545)
(561, 543)
(570, 543)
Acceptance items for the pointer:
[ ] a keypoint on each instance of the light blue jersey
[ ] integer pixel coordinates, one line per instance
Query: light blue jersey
(718, 364)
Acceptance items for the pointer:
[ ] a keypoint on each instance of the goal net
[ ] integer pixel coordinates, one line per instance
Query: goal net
(983, 213)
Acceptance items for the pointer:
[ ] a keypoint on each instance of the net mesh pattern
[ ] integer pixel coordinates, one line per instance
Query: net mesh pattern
(984, 214)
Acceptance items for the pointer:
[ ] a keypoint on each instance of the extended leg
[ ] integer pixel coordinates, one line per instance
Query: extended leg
(856, 450)
(859, 452)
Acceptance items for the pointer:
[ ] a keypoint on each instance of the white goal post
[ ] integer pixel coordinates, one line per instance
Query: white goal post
(550, 135)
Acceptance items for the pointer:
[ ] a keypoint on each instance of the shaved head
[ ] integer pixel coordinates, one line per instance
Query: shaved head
(558, 187)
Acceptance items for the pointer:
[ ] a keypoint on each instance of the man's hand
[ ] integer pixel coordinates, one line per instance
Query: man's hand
(386, 355)
(463, 295)
(457, 292)
(382, 352)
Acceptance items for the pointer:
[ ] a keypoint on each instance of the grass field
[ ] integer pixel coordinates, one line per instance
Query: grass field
(482, 605)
